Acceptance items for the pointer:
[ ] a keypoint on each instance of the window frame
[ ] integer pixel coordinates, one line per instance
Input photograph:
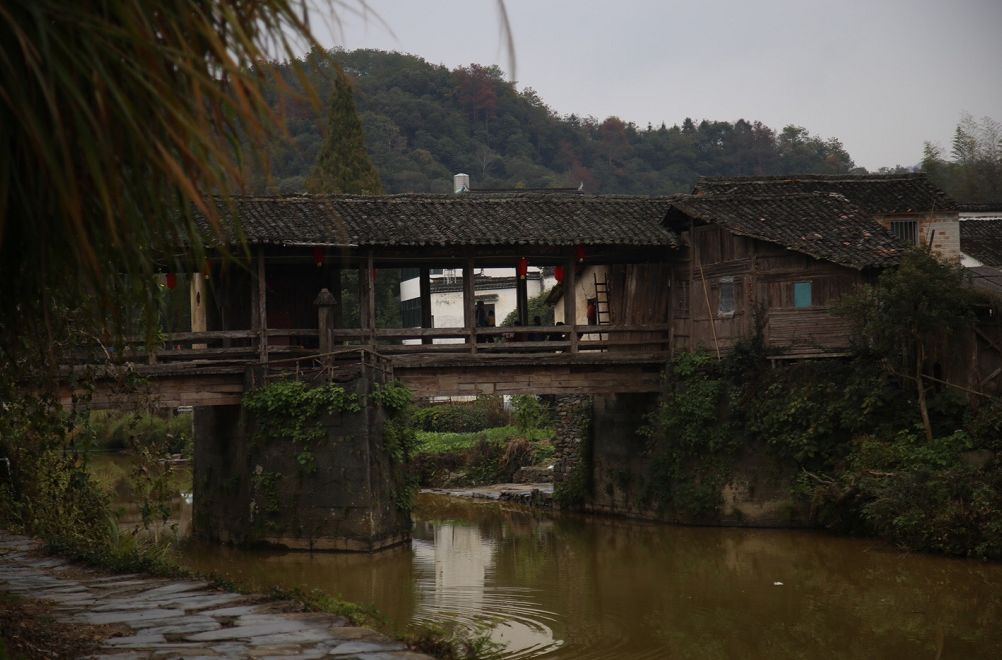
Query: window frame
(727, 284)
(810, 294)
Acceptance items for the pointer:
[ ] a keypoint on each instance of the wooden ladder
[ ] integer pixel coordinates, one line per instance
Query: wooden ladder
(601, 302)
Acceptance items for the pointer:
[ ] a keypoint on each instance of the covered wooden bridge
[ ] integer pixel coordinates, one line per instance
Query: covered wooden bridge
(303, 295)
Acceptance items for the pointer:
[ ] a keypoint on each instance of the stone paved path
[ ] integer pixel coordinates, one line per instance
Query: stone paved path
(181, 618)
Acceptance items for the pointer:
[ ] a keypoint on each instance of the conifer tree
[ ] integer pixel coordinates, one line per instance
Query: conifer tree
(343, 165)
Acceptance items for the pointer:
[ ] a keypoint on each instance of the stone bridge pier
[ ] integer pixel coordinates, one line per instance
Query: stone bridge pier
(344, 492)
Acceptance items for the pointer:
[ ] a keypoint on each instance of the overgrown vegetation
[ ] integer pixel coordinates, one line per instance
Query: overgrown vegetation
(486, 456)
(292, 410)
(483, 413)
(875, 451)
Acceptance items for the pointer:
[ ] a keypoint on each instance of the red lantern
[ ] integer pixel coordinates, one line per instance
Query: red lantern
(522, 268)
(558, 273)
(579, 252)
(318, 256)
(170, 280)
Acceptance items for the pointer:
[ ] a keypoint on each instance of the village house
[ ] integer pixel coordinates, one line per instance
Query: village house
(772, 255)
(909, 206)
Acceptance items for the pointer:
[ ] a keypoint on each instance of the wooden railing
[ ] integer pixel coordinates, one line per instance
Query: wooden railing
(231, 346)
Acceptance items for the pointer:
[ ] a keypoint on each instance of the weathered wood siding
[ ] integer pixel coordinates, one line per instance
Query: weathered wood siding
(639, 294)
(762, 277)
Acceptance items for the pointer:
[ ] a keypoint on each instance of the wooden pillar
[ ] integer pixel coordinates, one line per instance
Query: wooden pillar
(469, 301)
(367, 299)
(334, 282)
(262, 307)
(522, 299)
(325, 319)
(571, 303)
(199, 322)
(424, 282)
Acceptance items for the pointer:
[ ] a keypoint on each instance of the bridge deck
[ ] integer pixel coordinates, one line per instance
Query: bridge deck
(223, 381)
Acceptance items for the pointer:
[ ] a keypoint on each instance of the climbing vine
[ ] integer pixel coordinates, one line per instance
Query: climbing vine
(692, 441)
(399, 436)
(291, 410)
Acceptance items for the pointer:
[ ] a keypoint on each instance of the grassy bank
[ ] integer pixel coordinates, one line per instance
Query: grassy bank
(478, 458)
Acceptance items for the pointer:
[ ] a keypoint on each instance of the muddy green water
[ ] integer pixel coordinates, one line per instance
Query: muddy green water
(572, 587)
(575, 587)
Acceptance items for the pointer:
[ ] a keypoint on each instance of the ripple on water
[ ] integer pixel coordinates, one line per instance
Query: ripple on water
(509, 615)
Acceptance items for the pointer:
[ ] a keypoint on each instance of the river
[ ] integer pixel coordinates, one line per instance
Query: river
(563, 586)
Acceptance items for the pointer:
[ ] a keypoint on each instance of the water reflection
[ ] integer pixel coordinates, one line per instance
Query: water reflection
(569, 587)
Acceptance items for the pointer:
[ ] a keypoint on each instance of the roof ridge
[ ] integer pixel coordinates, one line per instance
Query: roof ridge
(818, 177)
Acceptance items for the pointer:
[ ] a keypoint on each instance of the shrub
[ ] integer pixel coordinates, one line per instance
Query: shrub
(530, 413)
(462, 417)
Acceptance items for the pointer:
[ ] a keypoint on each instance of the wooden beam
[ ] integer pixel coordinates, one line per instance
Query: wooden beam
(262, 307)
(424, 283)
(469, 299)
(571, 303)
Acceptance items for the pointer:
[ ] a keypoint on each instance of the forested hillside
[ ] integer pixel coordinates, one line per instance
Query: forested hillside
(423, 123)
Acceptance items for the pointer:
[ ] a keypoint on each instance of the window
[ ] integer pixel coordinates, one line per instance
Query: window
(727, 305)
(802, 295)
(906, 230)
(409, 273)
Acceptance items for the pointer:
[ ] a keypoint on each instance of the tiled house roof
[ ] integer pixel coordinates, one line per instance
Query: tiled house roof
(415, 220)
(877, 194)
(823, 226)
(982, 239)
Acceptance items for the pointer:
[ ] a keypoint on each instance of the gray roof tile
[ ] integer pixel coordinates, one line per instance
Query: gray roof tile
(415, 220)
(821, 225)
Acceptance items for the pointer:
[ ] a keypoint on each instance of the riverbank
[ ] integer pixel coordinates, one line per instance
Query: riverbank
(90, 612)
(538, 495)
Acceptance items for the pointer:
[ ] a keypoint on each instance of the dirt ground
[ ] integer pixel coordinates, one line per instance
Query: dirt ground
(27, 630)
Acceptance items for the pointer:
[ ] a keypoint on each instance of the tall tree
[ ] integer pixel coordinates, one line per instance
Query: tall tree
(343, 165)
(974, 173)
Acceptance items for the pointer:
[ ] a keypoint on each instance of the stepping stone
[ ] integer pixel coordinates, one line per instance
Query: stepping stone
(234, 611)
(183, 627)
(127, 616)
(246, 632)
(169, 589)
(349, 648)
(136, 641)
(300, 637)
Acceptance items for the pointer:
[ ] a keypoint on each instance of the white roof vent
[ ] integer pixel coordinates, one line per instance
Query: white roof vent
(460, 183)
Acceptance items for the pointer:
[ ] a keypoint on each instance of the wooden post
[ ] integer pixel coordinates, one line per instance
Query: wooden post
(469, 300)
(367, 299)
(424, 282)
(262, 307)
(571, 303)
(199, 319)
(335, 287)
(522, 299)
(325, 319)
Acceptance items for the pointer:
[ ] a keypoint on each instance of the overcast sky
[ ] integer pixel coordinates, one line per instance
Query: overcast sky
(883, 76)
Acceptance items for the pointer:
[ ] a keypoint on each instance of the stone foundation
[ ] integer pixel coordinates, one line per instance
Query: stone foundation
(758, 493)
(572, 435)
(253, 491)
